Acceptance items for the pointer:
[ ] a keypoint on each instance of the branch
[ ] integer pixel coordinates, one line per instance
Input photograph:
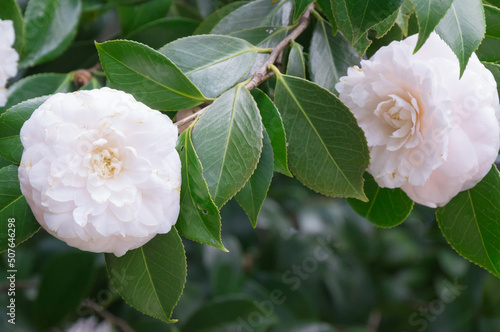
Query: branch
(260, 75)
(98, 309)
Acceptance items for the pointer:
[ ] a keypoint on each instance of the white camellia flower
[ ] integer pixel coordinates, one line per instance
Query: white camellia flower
(429, 132)
(8, 57)
(100, 170)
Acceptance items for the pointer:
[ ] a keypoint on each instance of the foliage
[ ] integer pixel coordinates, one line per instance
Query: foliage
(243, 142)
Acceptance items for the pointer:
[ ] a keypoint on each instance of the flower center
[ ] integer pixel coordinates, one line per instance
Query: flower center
(106, 163)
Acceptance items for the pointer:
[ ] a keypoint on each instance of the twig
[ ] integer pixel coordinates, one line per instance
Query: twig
(98, 309)
(260, 75)
(191, 117)
(83, 76)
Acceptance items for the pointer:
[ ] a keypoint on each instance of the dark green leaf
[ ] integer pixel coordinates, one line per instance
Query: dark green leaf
(326, 7)
(255, 14)
(65, 283)
(267, 36)
(471, 222)
(252, 195)
(151, 278)
(51, 25)
(354, 18)
(300, 7)
(133, 17)
(92, 84)
(327, 151)
(296, 62)
(489, 50)
(429, 13)
(211, 21)
(11, 11)
(148, 75)
(463, 28)
(362, 44)
(386, 207)
(271, 119)
(383, 27)
(199, 217)
(495, 70)
(14, 205)
(330, 56)
(10, 126)
(228, 141)
(164, 30)
(225, 311)
(405, 12)
(38, 85)
(213, 63)
(492, 15)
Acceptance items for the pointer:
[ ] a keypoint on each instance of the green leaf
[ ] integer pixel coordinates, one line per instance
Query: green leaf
(151, 278)
(326, 7)
(386, 207)
(405, 12)
(14, 205)
(148, 75)
(489, 50)
(199, 217)
(252, 195)
(66, 281)
(495, 70)
(471, 222)
(330, 56)
(463, 28)
(38, 85)
(10, 126)
(492, 17)
(382, 28)
(51, 25)
(255, 14)
(327, 151)
(222, 311)
(228, 141)
(271, 119)
(164, 30)
(429, 13)
(354, 18)
(213, 63)
(362, 44)
(300, 7)
(137, 15)
(11, 11)
(211, 21)
(296, 62)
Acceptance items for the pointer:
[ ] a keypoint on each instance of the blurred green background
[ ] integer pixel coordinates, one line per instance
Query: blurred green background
(311, 265)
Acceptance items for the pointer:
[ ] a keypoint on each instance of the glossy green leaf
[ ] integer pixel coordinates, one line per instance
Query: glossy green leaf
(489, 50)
(14, 205)
(471, 222)
(51, 25)
(429, 13)
(271, 119)
(463, 28)
(199, 217)
(296, 62)
(327, 151)
(252, 195)
(326, 7)
(492, 17)
(151, 278)
(330, 56)
(228, 141)
(495, 70)
(254, 14)
(224, 311)
(300, 7)
(362, 45)
(211, 21)
(355, 18)
(383, 27)
(213, 63)
(66, 281)
(10, 11)
(164, 30)
(10, 126)
(134, 16)
(38, 85)
(266, 36)
(148, 75)
(386, 207)
(403, 18)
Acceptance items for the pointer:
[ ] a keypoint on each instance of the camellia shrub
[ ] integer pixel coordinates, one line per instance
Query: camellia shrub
(141, 137)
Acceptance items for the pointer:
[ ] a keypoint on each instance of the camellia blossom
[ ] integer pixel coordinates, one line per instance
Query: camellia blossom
(100, 170)
(90, 325)
(429, 132)
(8, 57)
